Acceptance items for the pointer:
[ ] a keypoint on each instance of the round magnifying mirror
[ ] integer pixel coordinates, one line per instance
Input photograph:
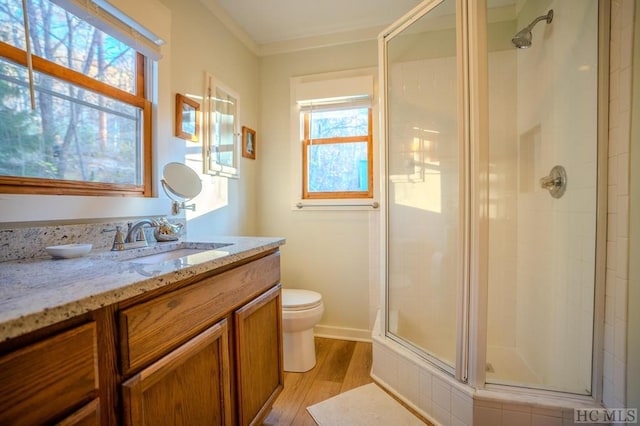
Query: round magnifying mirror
(181, 184)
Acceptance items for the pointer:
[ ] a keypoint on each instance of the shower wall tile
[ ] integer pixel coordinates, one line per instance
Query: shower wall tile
(612, 172)
(622, 257)
(612, 199)
(622, 286)
(612, 224)
(487, 416)
(609, 338)
(623, 173)
(611, 256)
(441, 415)
(385, 364)
(409, 380)
(609, 309)
(608, 364)
(618, 206)
(619, 374)
(424, 402)
(461, 407)
(623, 217)
(441, 393)
(609, 290)
(540, 420)
(457, 422)
(620, 341)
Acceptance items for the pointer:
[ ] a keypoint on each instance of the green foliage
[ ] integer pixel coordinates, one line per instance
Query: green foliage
(15, 131)
(73, 133)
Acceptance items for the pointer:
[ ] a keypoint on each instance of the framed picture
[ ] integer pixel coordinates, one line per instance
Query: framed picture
(187, 118)
(248, 143)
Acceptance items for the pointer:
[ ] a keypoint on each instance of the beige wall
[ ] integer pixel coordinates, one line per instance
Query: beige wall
(326, 251)
(195, 42)
(201, 43)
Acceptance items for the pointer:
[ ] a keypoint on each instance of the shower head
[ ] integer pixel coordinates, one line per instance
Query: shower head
(522, 39)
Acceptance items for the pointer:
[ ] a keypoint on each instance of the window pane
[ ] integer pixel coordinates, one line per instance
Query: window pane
(338, 167)
(339, 123)
(73, 134)
(60, 37)
(11, 23)
(224, 127)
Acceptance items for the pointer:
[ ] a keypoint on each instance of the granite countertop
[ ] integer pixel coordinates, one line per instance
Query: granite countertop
(35, 293)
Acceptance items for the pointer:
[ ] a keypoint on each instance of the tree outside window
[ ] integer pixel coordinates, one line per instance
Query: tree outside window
(89, 130)
(337, 153)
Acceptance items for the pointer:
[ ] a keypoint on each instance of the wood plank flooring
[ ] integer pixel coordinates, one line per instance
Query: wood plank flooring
(341, 365)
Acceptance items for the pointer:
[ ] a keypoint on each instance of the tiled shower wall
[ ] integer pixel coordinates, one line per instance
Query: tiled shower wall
(617, 281)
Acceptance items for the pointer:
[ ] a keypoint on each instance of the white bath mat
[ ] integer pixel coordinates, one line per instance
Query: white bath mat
(366, 405)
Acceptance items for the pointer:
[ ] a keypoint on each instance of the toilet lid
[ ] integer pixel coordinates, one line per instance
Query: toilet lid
(295, 299)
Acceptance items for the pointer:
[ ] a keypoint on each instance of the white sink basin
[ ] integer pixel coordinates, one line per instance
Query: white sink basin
(192, 255)
(167, 255)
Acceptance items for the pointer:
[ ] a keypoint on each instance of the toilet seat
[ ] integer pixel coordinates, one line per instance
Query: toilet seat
(299, 300)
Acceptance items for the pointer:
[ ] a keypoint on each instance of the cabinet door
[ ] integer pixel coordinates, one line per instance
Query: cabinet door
(48, 379)
(258, 336)
(189, 386)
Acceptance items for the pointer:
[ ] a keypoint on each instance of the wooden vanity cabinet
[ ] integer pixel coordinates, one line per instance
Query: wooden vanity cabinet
(178, 360)
(206, 350)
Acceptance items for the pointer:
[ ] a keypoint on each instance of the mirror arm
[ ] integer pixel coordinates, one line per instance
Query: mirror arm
(176, 207)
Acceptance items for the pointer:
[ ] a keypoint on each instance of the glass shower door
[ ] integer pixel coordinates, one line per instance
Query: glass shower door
(423, 184)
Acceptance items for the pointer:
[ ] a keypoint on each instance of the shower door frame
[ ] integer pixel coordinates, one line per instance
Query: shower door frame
(460, 370)
(473, 126)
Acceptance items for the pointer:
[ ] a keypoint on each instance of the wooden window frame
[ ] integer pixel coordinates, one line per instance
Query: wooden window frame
(28, 185)
(307, 141)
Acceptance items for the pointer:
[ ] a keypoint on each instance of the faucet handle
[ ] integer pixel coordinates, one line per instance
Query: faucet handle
(118, 240)
(140, 235)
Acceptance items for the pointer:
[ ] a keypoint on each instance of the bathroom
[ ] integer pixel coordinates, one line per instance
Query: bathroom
(334, 252)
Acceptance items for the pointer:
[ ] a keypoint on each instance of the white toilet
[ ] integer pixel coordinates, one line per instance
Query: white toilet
(301, 311)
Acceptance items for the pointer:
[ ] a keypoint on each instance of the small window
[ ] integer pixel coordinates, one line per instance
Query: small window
(337, 147)
(77, 121)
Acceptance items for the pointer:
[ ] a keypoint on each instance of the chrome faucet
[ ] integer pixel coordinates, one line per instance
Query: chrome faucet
(135, 233)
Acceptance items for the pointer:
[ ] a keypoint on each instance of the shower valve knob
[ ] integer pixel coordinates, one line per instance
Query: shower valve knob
(556, 182)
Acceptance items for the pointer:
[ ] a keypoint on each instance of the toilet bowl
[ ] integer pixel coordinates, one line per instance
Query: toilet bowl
(301, 311)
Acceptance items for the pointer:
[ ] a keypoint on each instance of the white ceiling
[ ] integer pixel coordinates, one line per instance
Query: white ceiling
(279, 25)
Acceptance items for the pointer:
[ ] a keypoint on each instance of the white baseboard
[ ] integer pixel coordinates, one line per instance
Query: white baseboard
(331, 332)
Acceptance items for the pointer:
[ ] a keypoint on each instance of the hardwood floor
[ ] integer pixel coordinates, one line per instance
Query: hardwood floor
(341, 365)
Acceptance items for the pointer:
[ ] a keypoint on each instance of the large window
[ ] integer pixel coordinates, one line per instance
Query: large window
(74, 118)
(337, 152)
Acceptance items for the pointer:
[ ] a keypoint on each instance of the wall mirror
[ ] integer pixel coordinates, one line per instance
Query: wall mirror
(221, 129)
(181, 184)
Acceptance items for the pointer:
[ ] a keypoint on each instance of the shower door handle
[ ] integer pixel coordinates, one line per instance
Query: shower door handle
(556, 182)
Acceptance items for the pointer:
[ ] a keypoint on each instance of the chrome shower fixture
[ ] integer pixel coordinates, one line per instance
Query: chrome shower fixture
(522, 40)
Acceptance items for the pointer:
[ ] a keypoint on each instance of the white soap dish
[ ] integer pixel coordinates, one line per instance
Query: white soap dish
(68, 251)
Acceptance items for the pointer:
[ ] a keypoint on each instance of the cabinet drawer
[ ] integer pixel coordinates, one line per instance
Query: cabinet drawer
(89, 415)
(151, 329)
(46, 380)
